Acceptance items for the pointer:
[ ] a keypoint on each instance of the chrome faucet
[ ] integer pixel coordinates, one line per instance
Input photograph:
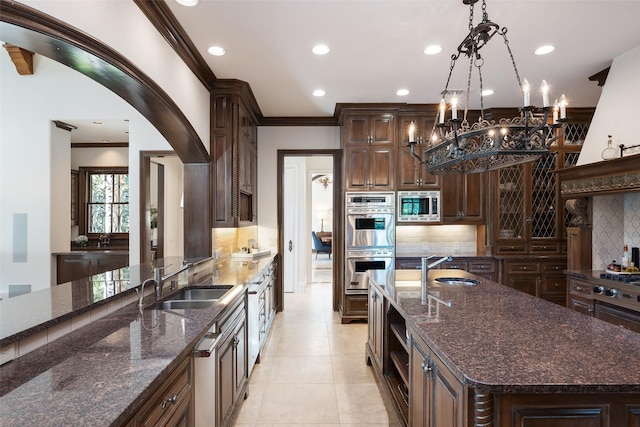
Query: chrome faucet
(160, 280)
(426, 267)
(142, 289)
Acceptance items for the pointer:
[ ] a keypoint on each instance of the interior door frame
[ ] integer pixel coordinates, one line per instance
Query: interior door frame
(145, 203)
(338, 224)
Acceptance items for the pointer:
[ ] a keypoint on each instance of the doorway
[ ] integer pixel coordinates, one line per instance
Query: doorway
(161, 219)
(298, 216)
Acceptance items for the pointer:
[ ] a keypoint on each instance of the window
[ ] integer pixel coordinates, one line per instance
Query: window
(107, 208)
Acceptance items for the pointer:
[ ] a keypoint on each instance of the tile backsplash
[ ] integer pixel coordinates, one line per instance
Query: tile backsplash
(437, 240)
(616, 222)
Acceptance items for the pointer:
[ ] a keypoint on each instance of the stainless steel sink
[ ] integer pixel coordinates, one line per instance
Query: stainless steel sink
(182, 304)
(192, 298)
(208, 293)
(457, 281)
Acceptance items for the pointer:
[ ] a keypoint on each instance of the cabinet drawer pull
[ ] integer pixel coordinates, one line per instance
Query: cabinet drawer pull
(172, 399)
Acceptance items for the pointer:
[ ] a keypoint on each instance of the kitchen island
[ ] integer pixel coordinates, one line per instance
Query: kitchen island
(493, 356)
(105, 372)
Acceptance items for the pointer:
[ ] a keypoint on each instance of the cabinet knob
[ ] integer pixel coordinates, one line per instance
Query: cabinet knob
(171, 399)
(426, 366)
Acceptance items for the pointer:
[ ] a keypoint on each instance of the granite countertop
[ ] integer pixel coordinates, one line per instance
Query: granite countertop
(99, 374)
(500, 340)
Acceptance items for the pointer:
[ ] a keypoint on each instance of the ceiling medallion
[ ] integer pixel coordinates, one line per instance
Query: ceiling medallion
(460, 147)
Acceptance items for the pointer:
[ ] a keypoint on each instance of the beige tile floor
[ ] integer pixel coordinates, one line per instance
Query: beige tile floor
(312, 370)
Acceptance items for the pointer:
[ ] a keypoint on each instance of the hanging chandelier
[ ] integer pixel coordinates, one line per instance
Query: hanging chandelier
(460, 147)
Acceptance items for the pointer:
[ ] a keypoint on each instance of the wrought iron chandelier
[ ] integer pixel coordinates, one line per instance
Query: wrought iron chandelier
(458, 147)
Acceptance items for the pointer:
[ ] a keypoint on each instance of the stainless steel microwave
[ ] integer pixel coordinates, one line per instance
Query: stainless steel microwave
(419, 206)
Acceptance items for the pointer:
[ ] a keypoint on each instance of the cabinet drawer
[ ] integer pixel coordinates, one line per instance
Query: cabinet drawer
(455, 265)
(523, 267)
(482, 267)
(542, 248)
(511, 248)
(554, 285)
(554, 267)
(161, 406)
(580, 287)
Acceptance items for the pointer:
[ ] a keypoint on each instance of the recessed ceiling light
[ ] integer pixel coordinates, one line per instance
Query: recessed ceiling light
(402, 92)
(543, 50)
(188, 2)
(319, 92)
(433, 49)
(487, 92)
(320, 49)
(216, 51)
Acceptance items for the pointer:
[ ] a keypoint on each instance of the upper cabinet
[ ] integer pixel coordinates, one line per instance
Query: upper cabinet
(463, 198)
(234, 159)
(369, 129)
(369, 142)
(529, 213)
(411, 174)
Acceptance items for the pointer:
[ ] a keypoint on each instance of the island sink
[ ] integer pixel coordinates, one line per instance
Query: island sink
(457, 281)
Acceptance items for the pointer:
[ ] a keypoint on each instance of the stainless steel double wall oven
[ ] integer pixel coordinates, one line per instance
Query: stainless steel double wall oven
(369, 239)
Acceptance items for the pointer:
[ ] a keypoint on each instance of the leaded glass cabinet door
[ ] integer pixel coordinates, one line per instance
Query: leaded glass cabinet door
(511, 203)
(544, 198)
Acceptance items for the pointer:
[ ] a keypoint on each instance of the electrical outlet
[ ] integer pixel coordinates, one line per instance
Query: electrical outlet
(7, 353)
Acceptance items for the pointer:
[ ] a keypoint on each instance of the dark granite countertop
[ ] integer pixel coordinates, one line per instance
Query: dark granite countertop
(99, 374)
(500, 340)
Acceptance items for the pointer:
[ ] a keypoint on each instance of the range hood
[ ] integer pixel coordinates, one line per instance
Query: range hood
(621, 175)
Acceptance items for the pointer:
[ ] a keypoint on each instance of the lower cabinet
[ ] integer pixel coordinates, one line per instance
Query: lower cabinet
(579, 296)
(354, 307)
(70, 267)
(231, 363)
(375, 325)
(436, 397)
(542, 277)
(424, 392)
(172, 403)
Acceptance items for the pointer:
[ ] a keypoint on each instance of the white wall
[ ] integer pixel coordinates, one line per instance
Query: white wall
(117, 24)
(321, 198)
(26, 140)
(270, 140)
(617, 111)
(173, 213)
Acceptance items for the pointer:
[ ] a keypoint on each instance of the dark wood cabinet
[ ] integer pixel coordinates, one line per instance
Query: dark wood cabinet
(233, 155)
(369, 168)
(171, 405)
(73, 266)
(410, 173)
(539, 276)
(370, 129)
(231, 363)
(354, 307)
(437, 398)
(579, 296)
(463, 198)
(375, 325)
(369, 142)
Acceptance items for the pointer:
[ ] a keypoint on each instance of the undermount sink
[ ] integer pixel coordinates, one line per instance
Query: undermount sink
(208, 293)
(457, 281)
(182, 304)
(192, 298)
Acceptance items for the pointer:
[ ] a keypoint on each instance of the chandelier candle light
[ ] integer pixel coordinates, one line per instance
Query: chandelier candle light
(458, 147)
